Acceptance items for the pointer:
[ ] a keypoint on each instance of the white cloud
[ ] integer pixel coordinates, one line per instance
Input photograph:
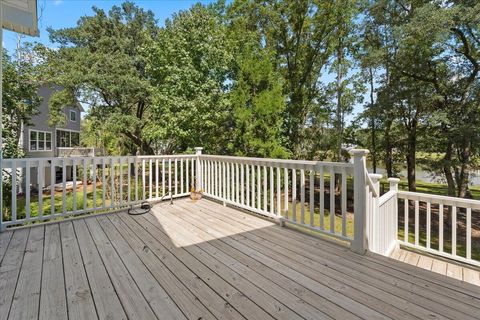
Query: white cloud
(57, 2)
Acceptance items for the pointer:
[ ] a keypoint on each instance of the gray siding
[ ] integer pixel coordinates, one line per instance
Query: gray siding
(40, 122)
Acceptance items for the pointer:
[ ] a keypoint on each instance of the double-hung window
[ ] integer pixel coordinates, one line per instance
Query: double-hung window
(73, 115)
(40, 140)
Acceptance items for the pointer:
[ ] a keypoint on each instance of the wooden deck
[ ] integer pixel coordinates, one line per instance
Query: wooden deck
(442, 266)
(200, 260)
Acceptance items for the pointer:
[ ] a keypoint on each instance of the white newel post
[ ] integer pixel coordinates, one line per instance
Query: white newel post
(199, 178)
(359, 243)
(393, 183)
(373, 219)
(394, 187)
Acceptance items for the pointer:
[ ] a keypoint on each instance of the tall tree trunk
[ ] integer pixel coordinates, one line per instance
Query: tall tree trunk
(338, 115)
(447, 169)
(372, 123)
(411, 153)
(464, 173)
(388, 149)
(411, 159)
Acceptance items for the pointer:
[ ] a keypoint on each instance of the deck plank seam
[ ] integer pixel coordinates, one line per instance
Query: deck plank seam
(41, 273)
(18, 274)
(340, 293)
(247, 280)
(141, 261)
(280, 245)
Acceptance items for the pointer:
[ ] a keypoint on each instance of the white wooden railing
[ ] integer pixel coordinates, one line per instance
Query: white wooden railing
(118, 182)
(435, 224)
(325, 197)
(340, 200)
(383, 237)
(287, 190)
(452, 217)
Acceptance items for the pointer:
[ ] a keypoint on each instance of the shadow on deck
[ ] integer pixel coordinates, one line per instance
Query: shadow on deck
(200, 260)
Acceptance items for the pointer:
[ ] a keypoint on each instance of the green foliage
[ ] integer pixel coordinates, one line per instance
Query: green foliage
(189, 65)
(257, 97)
(20, 102)
(102, 62)
(280, 79)
(258, 105)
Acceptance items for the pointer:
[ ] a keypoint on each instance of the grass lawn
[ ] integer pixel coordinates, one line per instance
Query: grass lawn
(447, 243)
(58, 202)
(430, 188)
(326, 219)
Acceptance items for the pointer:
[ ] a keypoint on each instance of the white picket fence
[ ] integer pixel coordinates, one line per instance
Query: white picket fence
(339, 200)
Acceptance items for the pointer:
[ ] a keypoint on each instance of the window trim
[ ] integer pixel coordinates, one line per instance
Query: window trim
(37, 141)
(70, 137)
(70, 115)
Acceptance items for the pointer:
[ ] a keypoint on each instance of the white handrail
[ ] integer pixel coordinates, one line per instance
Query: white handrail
(114, 183)
(458, 211)
(259, 185)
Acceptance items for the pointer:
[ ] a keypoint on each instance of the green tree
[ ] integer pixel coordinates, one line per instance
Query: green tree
(258, 105)
(189, 64)
(102, 62)
(20, 102)
(301, 34)
(257, 99)
(438, 51)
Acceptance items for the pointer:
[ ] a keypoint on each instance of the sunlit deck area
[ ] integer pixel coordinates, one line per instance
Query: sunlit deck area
(202, 260)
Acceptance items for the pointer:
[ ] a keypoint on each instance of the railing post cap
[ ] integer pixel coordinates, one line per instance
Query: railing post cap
(198, 150)
(359, 152)
(397, 180)
(375, 176)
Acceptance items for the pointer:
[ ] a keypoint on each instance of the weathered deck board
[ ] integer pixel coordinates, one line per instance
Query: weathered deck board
(335, 268)
(53, 302)
(201, 260)
(79, 297)
(106, 300)
(451, 270)
(10, 268)
(27, 293)
(130, 295)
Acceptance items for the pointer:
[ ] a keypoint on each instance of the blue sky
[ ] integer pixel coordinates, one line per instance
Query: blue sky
(65, 13)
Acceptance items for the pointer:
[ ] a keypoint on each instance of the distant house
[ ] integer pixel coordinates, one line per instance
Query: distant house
(43, 141)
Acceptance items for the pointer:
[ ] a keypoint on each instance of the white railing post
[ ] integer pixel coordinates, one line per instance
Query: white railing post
(199, 179)
(394, 187)
(373, 219)
(359, 243)
(393, 183)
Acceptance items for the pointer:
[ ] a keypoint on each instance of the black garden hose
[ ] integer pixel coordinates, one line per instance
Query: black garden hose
(144, 208)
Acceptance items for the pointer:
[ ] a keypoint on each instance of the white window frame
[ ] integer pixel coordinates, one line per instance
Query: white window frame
(37, 141)
(70, 115)
(70, 137)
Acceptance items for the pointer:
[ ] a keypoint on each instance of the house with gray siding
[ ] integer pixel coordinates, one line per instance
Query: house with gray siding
(40, 140)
